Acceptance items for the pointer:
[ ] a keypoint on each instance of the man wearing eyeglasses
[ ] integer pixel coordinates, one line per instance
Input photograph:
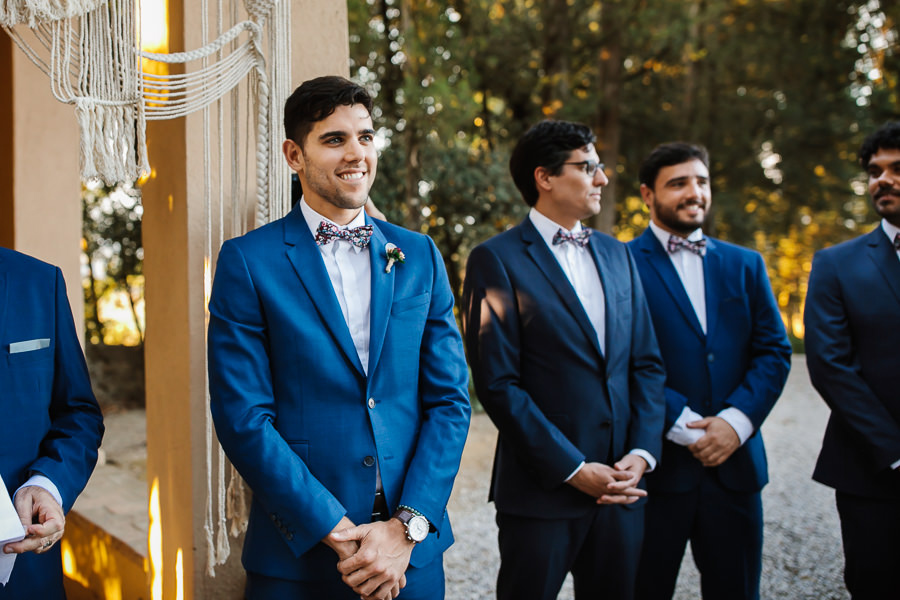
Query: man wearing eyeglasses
(566, 364)
(727, 358)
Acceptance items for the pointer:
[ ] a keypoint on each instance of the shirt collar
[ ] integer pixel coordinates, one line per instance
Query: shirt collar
(313, 219)
(547, 227)
(891, 231)
(663, 236)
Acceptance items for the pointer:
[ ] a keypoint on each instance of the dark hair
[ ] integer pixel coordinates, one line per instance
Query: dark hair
(666, 155)
(316, 99)
(548, 144)
(886, 138)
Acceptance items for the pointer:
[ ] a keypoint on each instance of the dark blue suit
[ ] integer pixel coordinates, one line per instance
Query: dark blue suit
(556, 399)
(296, 413)
(852, 319)
(51, 424)
(741, 361)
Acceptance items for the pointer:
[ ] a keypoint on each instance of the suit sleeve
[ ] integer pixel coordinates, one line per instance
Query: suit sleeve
(491, 324)
(68, 453)
(835, 370)
(647, 375)
(770, 353)
(243, 409)
(444, 397)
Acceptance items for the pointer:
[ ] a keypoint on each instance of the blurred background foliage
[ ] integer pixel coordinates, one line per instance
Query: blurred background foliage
(781, 92)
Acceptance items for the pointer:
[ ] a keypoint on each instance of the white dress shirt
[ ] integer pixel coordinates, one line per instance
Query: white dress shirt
(689, 267)
(348, 264)
(581, 271)
(891, 231)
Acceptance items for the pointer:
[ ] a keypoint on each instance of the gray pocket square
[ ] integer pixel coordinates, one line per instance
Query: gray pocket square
(29, 345)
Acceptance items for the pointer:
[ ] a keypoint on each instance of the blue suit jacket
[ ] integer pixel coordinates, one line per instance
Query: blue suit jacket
(852, 320)
(51, 423)
(540, 374)
(742, 361)
(300, 419)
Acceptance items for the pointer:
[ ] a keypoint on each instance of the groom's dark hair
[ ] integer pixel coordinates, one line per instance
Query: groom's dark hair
(547, 144)
(316, 99)
(887, 137)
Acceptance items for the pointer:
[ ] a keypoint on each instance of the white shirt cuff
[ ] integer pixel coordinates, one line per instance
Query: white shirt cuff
(738, 421)
(578, 468)
(42, 482)
(680, 433)
(895, 464)
(651, 462)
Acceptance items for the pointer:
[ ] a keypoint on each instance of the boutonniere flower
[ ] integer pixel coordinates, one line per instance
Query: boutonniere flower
(394, 254)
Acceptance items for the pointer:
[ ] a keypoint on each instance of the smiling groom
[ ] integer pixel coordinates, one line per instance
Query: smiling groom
(338, 382)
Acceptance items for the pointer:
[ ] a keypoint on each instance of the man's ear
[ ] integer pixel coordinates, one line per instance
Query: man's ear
(293, 154)
(542, 179)
(647, 195)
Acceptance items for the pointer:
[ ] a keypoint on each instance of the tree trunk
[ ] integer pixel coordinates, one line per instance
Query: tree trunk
(609, 118)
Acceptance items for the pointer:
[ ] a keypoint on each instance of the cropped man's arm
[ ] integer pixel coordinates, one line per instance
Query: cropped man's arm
(243, 409)
(68, 452)
(835, 370)
(491, 325)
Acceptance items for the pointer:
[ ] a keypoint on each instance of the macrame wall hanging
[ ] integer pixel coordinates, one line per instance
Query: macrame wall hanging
(238, 80)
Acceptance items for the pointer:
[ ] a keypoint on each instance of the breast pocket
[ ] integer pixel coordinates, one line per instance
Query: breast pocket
(30, 357)
(406, 304)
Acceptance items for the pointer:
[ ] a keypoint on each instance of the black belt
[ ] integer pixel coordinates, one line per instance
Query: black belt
(380, 508)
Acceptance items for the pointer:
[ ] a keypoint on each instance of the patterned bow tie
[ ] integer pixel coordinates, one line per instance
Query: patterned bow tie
(679, 243)
(897, 242)
(579, 238)
(358, 236)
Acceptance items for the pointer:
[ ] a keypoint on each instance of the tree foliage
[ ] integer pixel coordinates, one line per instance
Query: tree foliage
(780, 91)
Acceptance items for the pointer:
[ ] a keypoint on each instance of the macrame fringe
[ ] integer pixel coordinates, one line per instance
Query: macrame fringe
(32, 12)
(113, 147)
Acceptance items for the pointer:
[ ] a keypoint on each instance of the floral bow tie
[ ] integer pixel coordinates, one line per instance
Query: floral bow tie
(897, 242)
(679, 243)
(579, 238)
(358, 236)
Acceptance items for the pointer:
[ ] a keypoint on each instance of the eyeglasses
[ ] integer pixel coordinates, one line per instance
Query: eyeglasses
(588, 166)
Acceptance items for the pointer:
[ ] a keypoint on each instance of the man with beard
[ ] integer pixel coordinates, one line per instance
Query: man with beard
(338, 383)
(852, 321)
(727, 357)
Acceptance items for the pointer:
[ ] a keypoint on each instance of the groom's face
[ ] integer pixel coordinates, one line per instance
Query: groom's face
(337, 162)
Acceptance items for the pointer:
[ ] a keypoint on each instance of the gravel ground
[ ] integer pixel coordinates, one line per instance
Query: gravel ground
(802, 558)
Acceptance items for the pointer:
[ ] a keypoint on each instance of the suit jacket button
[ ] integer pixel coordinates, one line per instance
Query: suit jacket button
(371, 402)
(710, 357)
(369, 461)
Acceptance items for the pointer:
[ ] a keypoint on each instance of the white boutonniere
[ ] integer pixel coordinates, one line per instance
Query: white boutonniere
(394, 254)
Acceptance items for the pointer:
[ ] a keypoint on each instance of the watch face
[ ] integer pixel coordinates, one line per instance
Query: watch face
(417, 528)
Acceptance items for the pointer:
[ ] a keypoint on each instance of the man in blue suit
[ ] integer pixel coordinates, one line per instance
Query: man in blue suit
(852, 319)
(51, 425)
(565, 363)
(337, 375)
(727, 358)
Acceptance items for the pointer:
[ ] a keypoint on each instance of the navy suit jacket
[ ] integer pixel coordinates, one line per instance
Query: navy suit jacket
(555, 397)
(51, 423)
(852, 318)
(742, 361)
(296, 413)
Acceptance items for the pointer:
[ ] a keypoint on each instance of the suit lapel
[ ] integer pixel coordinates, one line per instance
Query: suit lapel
(546, 262)
(712, 278)
(659, 260)
(882, 253)
(306, 259)
(382, 294)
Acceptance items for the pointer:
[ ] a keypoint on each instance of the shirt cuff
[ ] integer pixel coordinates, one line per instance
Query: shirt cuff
(738, 421)
(42, 482)
(680, 433)
(894, 465)
(651, 462)
(578, 468)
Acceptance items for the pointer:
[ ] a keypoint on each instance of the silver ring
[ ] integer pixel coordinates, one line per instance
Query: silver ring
(47, 544)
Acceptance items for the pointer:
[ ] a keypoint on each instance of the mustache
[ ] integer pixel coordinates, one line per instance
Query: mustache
(889, 190)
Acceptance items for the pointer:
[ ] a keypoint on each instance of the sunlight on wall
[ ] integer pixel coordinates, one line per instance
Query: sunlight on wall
(179, 575)
(154, 25)
(70, 566)
(155, 543)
